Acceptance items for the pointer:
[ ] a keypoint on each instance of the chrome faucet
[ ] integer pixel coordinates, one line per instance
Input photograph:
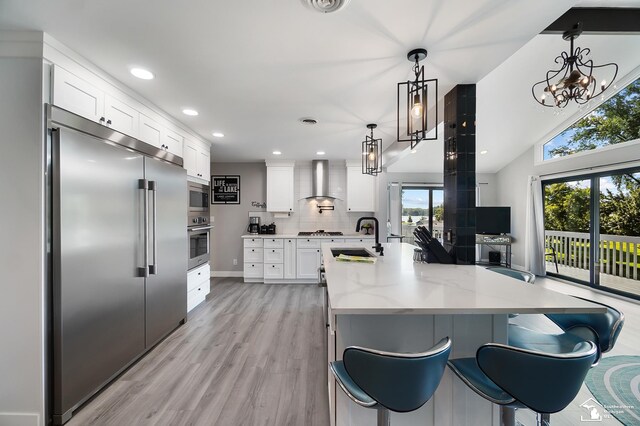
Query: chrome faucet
(378, 246)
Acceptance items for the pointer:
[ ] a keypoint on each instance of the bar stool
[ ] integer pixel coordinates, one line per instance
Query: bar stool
(602, 329)
(389, 381)
(527, 277)
(518, 378)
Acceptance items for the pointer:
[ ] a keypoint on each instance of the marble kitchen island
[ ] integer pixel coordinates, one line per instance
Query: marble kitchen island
(402, 306)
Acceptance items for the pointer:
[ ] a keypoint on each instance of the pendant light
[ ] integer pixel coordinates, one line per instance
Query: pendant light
(371, 153)
(576, 81)
(415, 98)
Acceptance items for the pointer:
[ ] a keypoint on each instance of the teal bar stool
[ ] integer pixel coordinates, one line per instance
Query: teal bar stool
(389, 381)
(527, 277)
(519, 378)
(602, 329)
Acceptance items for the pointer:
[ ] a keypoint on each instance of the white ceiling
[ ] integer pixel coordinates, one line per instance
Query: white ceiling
(252, 69)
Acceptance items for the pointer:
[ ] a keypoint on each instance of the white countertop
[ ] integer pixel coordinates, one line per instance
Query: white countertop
(397, 285)
(346, 235)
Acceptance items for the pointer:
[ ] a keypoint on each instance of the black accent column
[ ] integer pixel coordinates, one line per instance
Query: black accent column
(460, 173)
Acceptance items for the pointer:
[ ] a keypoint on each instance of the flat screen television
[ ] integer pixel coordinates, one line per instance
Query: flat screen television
(493, 220)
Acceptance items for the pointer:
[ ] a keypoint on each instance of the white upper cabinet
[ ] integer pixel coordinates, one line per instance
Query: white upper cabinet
(361, 190)
(78, 96)
(150, 131)
(120, 116)
(197, 159)
(95, 101)
(172, 142)
(280, 184)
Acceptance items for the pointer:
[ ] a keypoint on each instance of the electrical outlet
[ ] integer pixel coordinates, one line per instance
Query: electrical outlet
(235, 262)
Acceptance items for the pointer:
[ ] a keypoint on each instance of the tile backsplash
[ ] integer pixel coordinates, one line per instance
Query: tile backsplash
(306, 216)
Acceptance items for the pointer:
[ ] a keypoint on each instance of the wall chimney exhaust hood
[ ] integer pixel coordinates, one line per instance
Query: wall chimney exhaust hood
(320, 181)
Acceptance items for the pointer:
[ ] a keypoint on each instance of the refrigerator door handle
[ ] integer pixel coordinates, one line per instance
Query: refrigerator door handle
(153, 267)
(143, 185)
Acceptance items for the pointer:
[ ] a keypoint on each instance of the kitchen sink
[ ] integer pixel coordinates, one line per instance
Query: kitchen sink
(350, 252)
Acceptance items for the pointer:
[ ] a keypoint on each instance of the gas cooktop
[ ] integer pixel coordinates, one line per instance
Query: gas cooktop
(320, 233)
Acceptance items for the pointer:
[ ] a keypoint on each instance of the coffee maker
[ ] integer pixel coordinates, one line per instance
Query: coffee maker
(254, 225)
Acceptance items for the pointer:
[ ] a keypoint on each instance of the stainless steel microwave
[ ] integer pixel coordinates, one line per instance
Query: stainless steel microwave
(198, 198)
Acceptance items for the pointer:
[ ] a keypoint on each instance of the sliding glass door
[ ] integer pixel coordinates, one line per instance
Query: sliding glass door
(422, 206)
(592, 230)
(619, 223)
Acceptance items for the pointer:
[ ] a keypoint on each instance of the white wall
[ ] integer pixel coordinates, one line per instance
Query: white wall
(22, 245)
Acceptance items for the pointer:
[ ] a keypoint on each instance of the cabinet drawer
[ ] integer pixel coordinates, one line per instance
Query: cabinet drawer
(273, 255)
(253, 255)
(358, 240)
(273, 243)
(332, 240)
(253, 242)
(198, 276)
(309, 243)
(253, 270)
(197, 296)
(273, 271)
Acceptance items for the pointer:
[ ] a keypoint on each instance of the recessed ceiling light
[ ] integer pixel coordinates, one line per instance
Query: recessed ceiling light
(142, 73)
(191, 112)
(276, 153)
(483, 152)
(413, 151)
(320, 153)
(218, 135)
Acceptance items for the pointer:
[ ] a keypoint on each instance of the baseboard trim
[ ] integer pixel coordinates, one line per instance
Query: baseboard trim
(227, 274)
(19, 419)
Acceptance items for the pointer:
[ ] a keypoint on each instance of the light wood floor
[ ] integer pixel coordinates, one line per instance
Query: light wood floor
(249, 355)
(253, 354)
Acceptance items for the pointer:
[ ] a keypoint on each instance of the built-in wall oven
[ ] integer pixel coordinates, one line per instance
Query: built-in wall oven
(199, 229)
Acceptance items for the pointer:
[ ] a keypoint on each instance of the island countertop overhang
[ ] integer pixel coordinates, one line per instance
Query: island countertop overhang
(397, 285)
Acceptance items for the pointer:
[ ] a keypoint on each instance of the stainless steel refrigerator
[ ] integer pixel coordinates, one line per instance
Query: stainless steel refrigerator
(118, 218)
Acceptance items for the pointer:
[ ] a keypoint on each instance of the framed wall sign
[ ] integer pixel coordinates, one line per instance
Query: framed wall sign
(225, 189)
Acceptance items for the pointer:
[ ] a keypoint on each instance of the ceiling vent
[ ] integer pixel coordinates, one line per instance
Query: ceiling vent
(326, 6)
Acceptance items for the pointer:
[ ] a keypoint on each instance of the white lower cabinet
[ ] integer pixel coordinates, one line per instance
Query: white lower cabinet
(253, 259)
(198, 286)
(308, 262)
(273, 271)
(290, 258)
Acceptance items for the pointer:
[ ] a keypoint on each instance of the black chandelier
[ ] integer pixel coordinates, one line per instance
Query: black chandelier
(371, 153)
(577, 82)
(414, 103)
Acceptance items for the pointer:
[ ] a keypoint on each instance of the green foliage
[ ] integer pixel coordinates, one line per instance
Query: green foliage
(567, 207)
(438, 213)
(415, 211)
(616, 120)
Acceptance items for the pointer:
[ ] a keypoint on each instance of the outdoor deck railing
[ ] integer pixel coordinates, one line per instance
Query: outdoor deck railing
(618, 253)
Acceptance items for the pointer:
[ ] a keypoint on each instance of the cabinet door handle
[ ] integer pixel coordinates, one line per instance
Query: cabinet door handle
(108, 122)
(102, 119)
(318, 251)
(273, 266)
(199, 273)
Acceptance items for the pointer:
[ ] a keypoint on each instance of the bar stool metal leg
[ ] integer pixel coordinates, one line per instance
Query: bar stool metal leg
(507, 416)
(544, 419)
(383, 417)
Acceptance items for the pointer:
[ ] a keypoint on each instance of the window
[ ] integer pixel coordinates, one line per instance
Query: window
(422, 206)
(615, 121)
